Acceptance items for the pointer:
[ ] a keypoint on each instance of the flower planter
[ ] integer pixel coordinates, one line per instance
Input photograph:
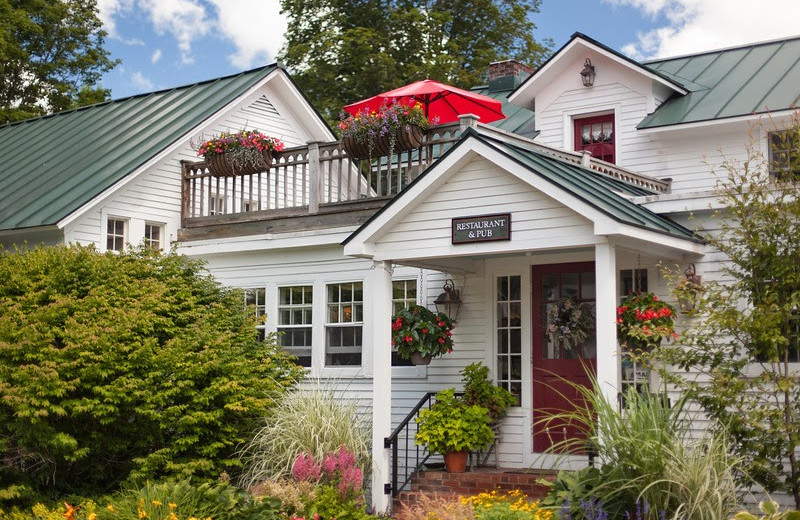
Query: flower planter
(223, 164)
(455, 461)
(418, 359)
(406, 138)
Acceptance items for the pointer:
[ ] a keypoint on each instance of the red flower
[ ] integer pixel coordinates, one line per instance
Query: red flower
(408, 339)
(441, 340)
(424, 331)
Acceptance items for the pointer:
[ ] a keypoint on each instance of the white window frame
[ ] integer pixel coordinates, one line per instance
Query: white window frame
(162, 229)
(309, 306)
(329, 325)
(104, 235)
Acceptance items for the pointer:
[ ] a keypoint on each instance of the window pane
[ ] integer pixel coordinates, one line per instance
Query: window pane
(343, 343)
(509, 333)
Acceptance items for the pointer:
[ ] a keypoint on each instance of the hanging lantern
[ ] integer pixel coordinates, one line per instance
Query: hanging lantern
(449, 302)
(688, 289)
(588, 74)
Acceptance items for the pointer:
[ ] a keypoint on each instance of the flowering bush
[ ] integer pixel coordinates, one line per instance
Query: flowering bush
(418, 329)
(643, 321)
(569, 320)
(511, 505)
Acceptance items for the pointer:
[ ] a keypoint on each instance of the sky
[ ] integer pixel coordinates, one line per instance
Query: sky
(168, 43)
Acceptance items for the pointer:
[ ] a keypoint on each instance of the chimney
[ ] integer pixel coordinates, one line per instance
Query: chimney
(508, 74)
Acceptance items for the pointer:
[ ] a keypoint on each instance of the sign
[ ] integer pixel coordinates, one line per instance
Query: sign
(485, 228)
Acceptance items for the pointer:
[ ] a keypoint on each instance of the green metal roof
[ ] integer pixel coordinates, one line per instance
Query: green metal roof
(55, 164)
(518, 120)
(752, 79)
(599, 191)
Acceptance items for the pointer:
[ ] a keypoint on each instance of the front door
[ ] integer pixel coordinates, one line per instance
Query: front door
(555, 362)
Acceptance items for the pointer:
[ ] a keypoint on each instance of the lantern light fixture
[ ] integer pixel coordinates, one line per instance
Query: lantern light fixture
(588, 73)
(449, 302)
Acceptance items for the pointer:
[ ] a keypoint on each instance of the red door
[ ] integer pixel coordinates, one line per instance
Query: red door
(554, 361)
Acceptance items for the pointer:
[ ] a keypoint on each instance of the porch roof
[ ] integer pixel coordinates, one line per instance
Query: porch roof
(604, 194)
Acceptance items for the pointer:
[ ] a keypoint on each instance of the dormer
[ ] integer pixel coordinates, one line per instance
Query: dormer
(600, 116)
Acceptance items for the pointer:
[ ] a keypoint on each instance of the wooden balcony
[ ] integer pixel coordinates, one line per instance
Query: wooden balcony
(318, 186)
(313, 180)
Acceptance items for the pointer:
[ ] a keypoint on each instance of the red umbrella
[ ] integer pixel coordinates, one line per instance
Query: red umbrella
(438, 100)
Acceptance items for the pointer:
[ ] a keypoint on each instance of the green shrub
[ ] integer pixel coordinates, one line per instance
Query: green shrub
(480, 390)
(769, 511)
(313, 419)
(184, 500)
(124, 367)
(645, 456)
(451, 425)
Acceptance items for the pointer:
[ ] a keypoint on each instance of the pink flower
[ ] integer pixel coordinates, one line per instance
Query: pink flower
(306, 468)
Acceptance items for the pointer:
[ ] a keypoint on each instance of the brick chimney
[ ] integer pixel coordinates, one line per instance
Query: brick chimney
(501, 69)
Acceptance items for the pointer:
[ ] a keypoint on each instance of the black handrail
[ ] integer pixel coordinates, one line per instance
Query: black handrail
(393, 441)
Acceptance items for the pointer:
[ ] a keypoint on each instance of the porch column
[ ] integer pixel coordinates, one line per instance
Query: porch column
(380, 279)
(605, 265)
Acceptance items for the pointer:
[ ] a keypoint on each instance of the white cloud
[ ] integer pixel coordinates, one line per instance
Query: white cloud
(255, 28)
(156, 56)
(699, 25)
(107, 11)
(185, 20)
(141, 82)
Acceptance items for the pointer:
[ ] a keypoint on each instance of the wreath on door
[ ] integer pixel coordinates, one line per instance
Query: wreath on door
(569, 321)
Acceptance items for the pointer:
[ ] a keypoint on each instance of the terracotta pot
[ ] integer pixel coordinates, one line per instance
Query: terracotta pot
(221, 165)
(418, 359)
(405, 139)
(455, 461)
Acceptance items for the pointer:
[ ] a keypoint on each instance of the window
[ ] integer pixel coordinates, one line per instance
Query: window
(509, 334)
(152, 236)
(256, 300)
(115, 234)
(404, 294)
(343, 330)
(294, 321)
(596, 135)
(632, 280)
(784, 154)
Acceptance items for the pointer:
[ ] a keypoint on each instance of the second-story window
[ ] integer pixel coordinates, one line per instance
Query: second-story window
(596, 135)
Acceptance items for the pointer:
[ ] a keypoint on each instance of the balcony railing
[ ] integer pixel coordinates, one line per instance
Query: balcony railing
(303, 178)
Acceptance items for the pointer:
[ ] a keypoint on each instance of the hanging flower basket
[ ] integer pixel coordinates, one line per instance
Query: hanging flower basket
(405, 138)
(421, 334)
(643, 321)
(391, 129)
(241, 153)
(226, 165)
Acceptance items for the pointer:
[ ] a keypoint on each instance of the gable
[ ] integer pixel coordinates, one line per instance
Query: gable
(480, 187)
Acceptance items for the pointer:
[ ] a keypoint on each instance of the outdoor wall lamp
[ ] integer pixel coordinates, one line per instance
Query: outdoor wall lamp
(588, 73)
(449, 302)
(688, 289)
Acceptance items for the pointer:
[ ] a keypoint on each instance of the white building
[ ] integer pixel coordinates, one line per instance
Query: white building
(327, 253)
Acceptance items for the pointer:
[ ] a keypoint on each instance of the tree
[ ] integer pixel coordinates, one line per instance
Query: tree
(49, 50)
(341, 51)
(741, 350)
(124, 367)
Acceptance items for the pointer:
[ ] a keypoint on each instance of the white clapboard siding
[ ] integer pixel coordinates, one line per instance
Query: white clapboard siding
(482, 188)
(155, 195)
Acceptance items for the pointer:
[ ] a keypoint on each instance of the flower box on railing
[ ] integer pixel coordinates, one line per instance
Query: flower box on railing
(405, 138)
(242, 153)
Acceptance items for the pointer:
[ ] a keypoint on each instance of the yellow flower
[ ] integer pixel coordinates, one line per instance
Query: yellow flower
(172, 505)
(157, 503)
(110, 507)
(92, 516)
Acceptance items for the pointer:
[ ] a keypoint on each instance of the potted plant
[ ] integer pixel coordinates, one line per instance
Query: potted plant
(569, 321)
(480, 390)
(391, 129)
(241, 153)
(643, 321)
(454, 428)
(421, 334)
